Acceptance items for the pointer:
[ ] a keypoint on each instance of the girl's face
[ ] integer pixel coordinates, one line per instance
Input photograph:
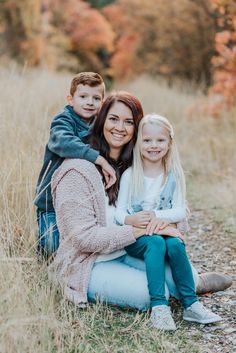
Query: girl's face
(155, 142)
(118, 129)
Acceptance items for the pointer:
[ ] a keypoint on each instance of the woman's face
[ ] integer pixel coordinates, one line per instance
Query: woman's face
(118, 129)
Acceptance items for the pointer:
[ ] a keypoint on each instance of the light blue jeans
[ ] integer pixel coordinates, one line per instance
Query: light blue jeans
(123, 282)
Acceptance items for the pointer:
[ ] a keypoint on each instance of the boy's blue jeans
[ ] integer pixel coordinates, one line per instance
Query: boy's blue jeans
(48, 234)
(155, 250)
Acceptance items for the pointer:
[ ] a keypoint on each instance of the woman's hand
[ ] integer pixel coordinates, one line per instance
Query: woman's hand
(140, 219)
(155, 226)
(183, 226)
(172, 232)
(139, 232)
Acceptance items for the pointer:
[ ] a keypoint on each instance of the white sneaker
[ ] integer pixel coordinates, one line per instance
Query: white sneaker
(198, 313)
(161, 318)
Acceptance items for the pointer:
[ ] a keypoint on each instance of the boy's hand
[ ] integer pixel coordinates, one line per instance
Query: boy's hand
(108, 172)
(140, 219)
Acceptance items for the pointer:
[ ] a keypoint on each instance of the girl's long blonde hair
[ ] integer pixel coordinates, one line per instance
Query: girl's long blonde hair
(171, 160)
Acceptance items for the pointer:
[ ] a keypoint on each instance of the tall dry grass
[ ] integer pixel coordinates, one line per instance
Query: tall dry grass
(33, 315)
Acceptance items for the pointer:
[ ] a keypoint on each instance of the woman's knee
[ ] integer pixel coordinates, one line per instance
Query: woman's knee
(116, 283)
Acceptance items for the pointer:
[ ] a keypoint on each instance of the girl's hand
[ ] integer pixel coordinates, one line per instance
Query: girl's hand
(155, 226)
(139, 219)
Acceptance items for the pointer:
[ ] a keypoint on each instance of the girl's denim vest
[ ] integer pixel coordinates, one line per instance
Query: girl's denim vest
(166, 197)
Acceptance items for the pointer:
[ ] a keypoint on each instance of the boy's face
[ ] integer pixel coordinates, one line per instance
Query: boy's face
(86, 101)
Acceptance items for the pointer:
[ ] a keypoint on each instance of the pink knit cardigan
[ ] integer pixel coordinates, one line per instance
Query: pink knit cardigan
(79, 202)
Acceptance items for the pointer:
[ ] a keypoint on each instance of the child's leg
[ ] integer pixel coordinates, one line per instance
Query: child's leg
(181, 270)
(48, 240)
(152, 249)
(182, 273)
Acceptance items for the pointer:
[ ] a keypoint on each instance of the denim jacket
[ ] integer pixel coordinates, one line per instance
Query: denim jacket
(166, 197)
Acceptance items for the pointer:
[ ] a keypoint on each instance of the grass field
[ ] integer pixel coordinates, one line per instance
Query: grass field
(33, 315)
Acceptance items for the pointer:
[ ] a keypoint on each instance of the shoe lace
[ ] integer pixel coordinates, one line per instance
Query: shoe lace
(202, 310)
(163, 314)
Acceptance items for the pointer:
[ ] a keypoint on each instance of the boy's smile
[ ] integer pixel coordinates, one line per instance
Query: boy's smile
(86, 101)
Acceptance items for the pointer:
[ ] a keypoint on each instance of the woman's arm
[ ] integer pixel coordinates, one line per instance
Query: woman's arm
(122, 202)
(78, 206)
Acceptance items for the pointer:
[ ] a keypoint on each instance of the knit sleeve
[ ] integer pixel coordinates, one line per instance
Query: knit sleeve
(76, 203)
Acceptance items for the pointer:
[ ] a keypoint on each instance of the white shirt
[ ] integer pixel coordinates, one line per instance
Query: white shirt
(150, 200)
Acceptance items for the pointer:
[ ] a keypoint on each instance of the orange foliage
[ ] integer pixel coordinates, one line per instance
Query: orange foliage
(121, 63)
(162, 37)
(223, 91)
(89, 30)
(90, 34)
(21, 26)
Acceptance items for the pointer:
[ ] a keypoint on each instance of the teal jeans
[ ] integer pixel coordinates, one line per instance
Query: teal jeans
(154, 251)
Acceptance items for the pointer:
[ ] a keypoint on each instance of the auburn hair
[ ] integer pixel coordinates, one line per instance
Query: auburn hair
(97, 140)
(91, 79)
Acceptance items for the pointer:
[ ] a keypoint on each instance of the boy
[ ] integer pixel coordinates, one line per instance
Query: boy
(68, 129)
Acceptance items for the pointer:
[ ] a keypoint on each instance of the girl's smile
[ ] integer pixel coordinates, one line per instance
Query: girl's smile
(155, 142)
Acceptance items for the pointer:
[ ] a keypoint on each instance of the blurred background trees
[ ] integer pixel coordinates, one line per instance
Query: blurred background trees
(187, 39)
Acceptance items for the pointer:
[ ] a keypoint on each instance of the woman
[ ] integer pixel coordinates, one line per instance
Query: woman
(90, 261)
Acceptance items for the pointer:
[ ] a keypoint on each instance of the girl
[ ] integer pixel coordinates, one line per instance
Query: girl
(151, 196)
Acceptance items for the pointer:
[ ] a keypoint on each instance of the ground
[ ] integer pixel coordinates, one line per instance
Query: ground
(212, 247)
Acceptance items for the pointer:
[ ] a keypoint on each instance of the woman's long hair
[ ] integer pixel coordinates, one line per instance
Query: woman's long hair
(171, 160)
(97, 140)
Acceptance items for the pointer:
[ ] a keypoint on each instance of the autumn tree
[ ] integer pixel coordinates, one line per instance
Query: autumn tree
(223, 91)
(89, 33)
(21, 30)
(56, 34)
(99, 3)
(170, 38)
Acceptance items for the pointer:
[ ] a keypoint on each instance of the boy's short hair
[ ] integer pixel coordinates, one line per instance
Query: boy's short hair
(91, 79)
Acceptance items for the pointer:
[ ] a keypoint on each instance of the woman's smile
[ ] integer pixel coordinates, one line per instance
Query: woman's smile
(118, 128)
(118, 136)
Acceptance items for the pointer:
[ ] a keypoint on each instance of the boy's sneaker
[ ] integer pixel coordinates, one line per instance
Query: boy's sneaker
(161, 318)
(198, 313)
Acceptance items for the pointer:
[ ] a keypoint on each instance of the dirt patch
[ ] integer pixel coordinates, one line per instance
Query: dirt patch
(211, 246)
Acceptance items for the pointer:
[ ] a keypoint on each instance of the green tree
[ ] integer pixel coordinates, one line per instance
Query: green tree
(99, 3)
